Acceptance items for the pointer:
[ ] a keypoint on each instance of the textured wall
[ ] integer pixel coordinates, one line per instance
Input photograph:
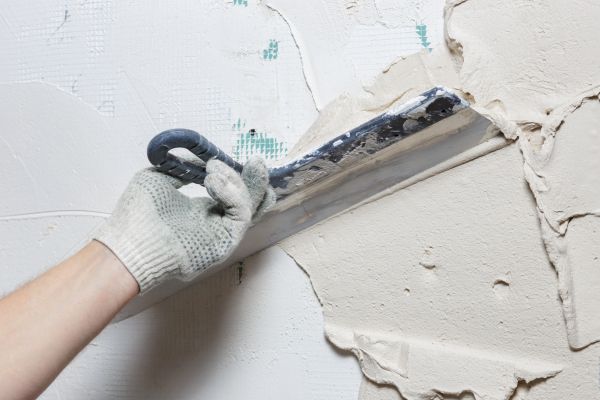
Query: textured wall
(481, 282)
(85, 84)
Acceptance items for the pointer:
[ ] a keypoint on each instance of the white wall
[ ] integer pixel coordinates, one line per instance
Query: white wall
(85, 84)
(481, 282)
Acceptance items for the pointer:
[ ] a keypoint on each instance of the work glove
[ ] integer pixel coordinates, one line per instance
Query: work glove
(159, 233)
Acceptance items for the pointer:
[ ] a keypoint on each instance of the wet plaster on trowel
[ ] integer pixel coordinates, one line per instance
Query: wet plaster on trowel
(402, 80)
(444, 289)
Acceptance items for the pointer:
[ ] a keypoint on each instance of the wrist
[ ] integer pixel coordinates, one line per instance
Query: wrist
(144, 247)
(111, 270)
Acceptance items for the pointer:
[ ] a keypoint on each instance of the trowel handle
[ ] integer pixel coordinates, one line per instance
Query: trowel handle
(161, 144)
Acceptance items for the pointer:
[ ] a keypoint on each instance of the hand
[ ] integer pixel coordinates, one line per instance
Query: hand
(159, 233)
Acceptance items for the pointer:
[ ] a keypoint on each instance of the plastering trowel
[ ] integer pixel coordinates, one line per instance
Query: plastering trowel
(399, 144)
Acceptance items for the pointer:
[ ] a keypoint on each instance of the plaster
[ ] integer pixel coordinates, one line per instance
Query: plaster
(435, 320)
(542, 93)
(399, 81)
(456, 269)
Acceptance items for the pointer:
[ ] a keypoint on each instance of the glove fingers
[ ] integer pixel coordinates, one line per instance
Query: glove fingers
(218, 167)
(256, 178)
(225, 186)
(268, 202)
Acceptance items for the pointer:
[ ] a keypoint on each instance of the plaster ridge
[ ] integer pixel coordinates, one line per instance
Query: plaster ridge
(8, 25)
(389, 359)
(55, 213)
(35, 82)
(304, 60)
(539, 90)
(140, 99)
(19, 160)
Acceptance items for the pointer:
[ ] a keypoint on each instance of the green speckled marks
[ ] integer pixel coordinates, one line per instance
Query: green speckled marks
(250, 142)
(422, 34)
(240, 3)
(272, 51)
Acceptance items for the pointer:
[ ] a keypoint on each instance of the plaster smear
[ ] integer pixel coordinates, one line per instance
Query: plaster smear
(432, 303)
(402, 80)
(563, 177)
(345, 43)
(457, 261)
(544, 91)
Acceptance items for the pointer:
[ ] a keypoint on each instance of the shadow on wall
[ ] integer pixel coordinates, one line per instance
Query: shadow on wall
(182, 340)
(184, 343)
(257, 334)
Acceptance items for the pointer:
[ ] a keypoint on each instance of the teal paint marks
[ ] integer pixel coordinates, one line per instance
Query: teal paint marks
(250, 142)
(272, 51)
(238, 125)
(422, 34)
(240, 3)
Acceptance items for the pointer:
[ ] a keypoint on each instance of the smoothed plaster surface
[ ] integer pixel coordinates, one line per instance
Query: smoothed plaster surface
(430, 301)
(543, 91)
(530, 68)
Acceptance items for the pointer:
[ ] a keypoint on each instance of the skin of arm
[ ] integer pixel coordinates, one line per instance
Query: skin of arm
(45, 323)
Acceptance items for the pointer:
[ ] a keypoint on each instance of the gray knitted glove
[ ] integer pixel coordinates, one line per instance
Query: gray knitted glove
(159, 233)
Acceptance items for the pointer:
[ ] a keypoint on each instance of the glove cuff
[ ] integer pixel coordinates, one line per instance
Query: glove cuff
(141, 248)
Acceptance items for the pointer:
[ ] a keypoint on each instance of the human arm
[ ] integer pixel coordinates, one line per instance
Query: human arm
(155, 233)
(45, 323)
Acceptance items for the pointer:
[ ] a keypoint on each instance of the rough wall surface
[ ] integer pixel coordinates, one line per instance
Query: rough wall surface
(479, 283)
(84, 85)
(446, 289)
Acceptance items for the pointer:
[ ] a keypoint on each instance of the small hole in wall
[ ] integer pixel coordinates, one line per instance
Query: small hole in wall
(501, 288)
(407, 292)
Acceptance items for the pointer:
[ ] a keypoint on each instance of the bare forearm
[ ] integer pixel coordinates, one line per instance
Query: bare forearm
(44, 324)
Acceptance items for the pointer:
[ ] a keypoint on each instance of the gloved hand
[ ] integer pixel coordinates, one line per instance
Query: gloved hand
(159, 233)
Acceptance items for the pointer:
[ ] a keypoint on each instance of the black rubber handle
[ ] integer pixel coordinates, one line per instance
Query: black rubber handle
(161, 144)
